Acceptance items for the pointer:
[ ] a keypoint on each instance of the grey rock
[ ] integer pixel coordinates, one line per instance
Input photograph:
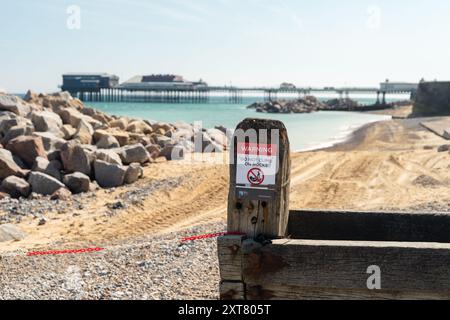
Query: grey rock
(108, 155)
(84, 133)
(52, 168)
(162, 140)
(75, 159)
(68, 131)
(77, 182)
(16, 131)
(134, 153)
(173, 152)
(46, 121)
(51, 141)
(133, 173)
(108, 142)
(44, 184)
(444, 148)
(14, 104)
(8, 167)
(16, 187)
(109, 175)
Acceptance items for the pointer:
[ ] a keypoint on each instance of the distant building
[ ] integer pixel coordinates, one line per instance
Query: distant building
(161, 82)
(388, 86)
(88, 82)
(287, 86)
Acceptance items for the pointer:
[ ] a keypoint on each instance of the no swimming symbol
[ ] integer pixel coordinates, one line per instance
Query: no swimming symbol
(255, 176)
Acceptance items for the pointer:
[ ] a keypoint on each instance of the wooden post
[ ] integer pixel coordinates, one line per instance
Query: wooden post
(257, 209)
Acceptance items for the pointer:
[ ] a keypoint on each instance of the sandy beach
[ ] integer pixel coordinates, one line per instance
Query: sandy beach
(390, 165)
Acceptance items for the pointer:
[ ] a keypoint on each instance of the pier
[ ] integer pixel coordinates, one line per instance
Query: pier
(174, 89)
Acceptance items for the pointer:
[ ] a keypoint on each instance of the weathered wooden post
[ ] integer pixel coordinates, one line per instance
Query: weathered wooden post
(258, 204)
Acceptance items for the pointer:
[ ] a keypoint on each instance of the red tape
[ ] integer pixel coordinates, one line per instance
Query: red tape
(212, 235)
(40, 253)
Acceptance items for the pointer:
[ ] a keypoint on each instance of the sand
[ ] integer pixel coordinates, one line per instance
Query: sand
(378, 168)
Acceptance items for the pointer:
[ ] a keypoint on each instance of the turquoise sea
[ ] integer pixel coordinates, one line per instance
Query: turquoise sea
(306, 131)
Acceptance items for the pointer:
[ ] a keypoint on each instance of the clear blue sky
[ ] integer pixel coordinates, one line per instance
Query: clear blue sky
(245, 42)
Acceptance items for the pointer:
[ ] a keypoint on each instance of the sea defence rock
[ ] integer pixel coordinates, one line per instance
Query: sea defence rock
(47, 121)
(75, 159)
(134, 153)
(50, 140)
(61, 140)
(108, 142)
(44, 184)
(17, 131)
(109, 175)
(8, 167)
(77, 182)
(27, 148)
(14, 104)
(16, 187)
(133, 173)
(108, 155)
(84, 132)
(432, 99)
(51, 168)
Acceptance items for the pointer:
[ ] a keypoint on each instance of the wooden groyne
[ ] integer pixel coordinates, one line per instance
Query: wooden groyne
(292, 254)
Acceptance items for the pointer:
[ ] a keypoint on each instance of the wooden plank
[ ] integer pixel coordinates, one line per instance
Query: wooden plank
(371, 226)
(261, 218)
(286, 292)
(232, 290)
(410, 267)
(230, 257)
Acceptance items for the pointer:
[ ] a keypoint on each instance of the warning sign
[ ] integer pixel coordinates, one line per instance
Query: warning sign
(256, 165)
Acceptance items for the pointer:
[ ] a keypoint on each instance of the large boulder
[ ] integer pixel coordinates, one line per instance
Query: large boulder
(75, 159)
(17, 131)
(27, 148)
(50, 140)
(217, 136)
(162, 140)
(154, 150)
(122, 137)
(172, 152)
(108, 155)
(16, 187)
(120, 123)
(70, 116)
(8, 167)
(47, 121)
(51, 168)
(134, 153)
(109, 175)
(44, 184)
(68, 131)
(77, 182)
(14, 104)
(139, 126)
(108, 142)
(84, 132)
(133, 173)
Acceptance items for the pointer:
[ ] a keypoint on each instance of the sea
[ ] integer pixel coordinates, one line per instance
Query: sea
(306, 131)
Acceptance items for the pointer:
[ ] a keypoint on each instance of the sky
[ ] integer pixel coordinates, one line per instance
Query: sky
(239, 42)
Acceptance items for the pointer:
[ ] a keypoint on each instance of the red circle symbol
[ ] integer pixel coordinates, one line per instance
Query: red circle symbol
(255, 176)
